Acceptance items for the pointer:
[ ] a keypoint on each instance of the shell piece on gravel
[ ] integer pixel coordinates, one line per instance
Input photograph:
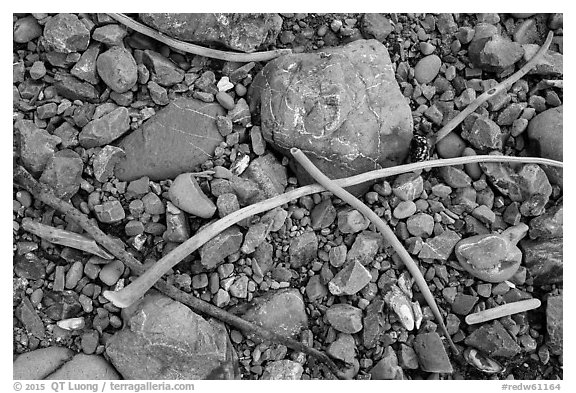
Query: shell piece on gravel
(399, 302)
(482, 362)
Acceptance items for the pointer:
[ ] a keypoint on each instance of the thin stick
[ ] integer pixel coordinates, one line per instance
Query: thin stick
(388, 234)
(196, 49)
(502, 86)
(134, 291)
(64, 238)
(502, 311)
(45, 194)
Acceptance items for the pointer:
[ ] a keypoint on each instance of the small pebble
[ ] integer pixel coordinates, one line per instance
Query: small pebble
(225, 100)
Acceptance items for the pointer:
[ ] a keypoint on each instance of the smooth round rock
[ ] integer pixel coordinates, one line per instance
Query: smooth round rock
(225, 100)
(545, 132)
(111, 272)
(472, 169)
(420, 224)
(118, 69)
(40, 363)
(427, 69)
(404, 209)
(450, 146)
(187, 195)
(26, 29)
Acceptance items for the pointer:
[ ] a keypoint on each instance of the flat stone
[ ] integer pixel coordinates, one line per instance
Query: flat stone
(258, 142)
(239, 287)
(118, 69)
(89, 341)
(61, 305)
(36, 146)
(106, 129)
(345, 318)
(63, 173)
(40, 363)
(285, 370)
(350, 279)
(492, 257)
(427, 68)
(404, 210)
(166, 146)
(343, 348)
(186, 194)
(73, 88)
(387, 368)
(527, 184)
(431, 353)
(376, 26)
(66, 33)
(111, 272)
(224, 244)
(323, 214)
(555, 325)
(158, 94)
(303, 249)
(227, 203)
(255, 236)
(463, 304)
(68, 134)
(164, 72)
(110, 212)
(544, 259)
(407, 357)
(440, 247)
(281, 311)
(484, 214)
(163, 339)
(494, 340)
(82, 367)
(545, 139)
(29, 317)
(341, 131)
(408, 186)
(269, 175)
(373, 323)
(263, 255)
(105, 161)
(365, 247)
(352, 221)
(29, 266)
(241, 32)
(420, 224)
(454, 177)
(111, 35)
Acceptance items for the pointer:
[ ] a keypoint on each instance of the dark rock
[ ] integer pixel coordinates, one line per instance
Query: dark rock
(26, 29)
(29, 266)
(387, 368)
(344, 348)
(166, 146)
(61, 305)
(163, 339)
(495, 53)
(373, 323)
(454, 177)
(241, 32)
(117, 68)
(350, 279)
(527, 184)
(29, 317)
(36, 146)
(345, 318)
(549, 225)
(463, 304)
(482, 133)
(303, 249)
(281, 311)
(431, 353)
(63, 173)
(342, 132)
(66, 33)
(72, 88)
(555, 324)
(494, 340)
(164, 72)
(440, 247)
(224, 244)
(315, 289)
(408, 358)
(544, 259)
(376, 26)
(323, 214)
(545, 136)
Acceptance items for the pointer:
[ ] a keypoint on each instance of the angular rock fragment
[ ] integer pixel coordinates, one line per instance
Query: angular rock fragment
(283, 370)
(387, 368)
(66, 33)
(345, 318)
(555, 324)
(432, 354)
(544, 259)
(219, 247)
(494, 340)
(36, 146)
(105, 161)
(303, 249)
(365, 247)
(350, 279)
(63, 173)
(118, 69)
(85, 68)
(106, 129)
(440, 247)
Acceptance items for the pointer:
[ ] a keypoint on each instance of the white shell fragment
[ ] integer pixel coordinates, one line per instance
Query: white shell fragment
(482, 362)
(71, 324)
(240, 165)
(399, 302)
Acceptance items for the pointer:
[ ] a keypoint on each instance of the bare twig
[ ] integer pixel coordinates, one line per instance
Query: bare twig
(138, 288)
(389, 236)
(45, 194)
(502, 311)
(196, 49)
(64, 238)
(502, 86)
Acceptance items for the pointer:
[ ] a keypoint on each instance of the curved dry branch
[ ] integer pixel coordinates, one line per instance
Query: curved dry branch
(197, 49)
(502, 86)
